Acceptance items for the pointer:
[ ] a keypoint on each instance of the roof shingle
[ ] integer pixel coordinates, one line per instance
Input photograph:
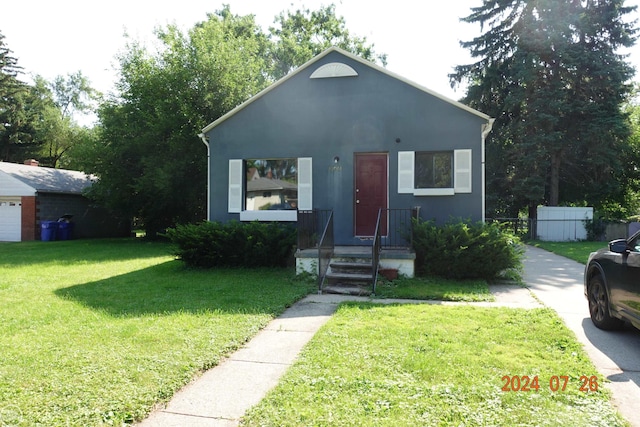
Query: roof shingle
(48, 180)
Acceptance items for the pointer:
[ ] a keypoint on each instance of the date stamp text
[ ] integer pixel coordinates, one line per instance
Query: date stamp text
(556, 383)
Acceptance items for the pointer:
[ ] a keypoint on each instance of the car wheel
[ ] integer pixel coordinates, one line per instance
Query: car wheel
(599, 305)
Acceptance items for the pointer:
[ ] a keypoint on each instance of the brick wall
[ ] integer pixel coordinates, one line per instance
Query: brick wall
(30, 230)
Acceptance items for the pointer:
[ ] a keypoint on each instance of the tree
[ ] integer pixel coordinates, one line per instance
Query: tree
(549, 72)
(16, 112)
(37, 121)
(150, 161)
(299, 36)
(60, 101)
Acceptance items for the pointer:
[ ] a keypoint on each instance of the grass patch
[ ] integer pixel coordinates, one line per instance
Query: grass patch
(95, 332)
(433, 288)
(425, 365)
(577, 251)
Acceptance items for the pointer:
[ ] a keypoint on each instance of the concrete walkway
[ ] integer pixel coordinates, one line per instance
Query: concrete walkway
(221, 396)
(558, 283)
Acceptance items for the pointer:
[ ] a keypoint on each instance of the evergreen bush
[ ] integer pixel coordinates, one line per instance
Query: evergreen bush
(233, 244)
(462, 250)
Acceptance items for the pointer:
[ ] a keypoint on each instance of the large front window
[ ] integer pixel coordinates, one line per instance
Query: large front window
(272, 184)
(270, 189)
(434, 173)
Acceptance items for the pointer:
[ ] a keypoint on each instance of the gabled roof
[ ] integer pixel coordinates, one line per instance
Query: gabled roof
(48, 180)
(355, 58)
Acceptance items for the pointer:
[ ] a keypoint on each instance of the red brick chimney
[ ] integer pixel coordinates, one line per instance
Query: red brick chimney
(31, 162)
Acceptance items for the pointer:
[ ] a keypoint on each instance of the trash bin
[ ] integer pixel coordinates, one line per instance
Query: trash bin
(48, 230)
(64, 230)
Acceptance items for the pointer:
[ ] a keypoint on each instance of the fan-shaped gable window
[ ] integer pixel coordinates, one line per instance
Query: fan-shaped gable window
(333, 69)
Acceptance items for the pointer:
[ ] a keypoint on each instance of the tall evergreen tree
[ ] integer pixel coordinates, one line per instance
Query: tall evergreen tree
(16, 110)
(549, 71)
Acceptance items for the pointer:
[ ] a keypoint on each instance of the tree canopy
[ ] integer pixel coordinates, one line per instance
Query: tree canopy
(150, 160)
(37, 120)
(16, 114)
(549, 71)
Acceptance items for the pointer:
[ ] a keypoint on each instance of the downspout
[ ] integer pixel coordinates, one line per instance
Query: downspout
(205, 140)
(486, 129)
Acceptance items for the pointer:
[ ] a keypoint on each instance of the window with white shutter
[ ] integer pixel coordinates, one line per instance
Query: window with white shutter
(270, 189)
(434, 173)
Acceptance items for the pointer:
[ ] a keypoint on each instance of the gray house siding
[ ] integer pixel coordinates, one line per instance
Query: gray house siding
(331, 118)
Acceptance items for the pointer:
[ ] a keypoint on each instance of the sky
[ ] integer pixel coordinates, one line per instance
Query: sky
(420, 37)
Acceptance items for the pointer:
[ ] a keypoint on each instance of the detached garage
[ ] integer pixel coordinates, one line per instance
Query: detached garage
(10, 219)
(30, 194)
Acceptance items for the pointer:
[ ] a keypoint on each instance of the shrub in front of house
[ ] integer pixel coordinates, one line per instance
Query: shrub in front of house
(233, 244)
(461, 250)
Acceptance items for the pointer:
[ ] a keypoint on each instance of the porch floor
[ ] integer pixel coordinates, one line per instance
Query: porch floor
(360, 252)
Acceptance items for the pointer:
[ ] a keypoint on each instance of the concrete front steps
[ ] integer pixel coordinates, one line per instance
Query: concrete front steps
(350, 269)
(350, 277)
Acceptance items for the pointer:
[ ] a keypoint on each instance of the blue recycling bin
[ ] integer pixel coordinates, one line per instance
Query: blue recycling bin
(48, 230)
(64, 230)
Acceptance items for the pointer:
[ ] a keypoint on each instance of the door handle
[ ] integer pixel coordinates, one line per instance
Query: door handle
(357, 201)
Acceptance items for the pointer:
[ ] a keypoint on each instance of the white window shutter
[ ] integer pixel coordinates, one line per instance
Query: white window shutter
(305, 185)
(235, 185)
(462, 168)
(406, 166)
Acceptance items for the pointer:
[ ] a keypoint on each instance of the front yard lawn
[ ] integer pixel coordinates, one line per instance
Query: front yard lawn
(426, 365)
(435, 288)
(95, 332)
(577, 251)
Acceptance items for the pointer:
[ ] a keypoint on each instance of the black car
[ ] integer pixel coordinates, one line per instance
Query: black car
(612, 284)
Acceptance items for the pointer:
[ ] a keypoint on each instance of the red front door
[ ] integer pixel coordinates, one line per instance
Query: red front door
(371, 192)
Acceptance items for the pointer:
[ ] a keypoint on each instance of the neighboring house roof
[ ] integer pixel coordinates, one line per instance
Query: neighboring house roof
(266, 184)
(355, 58)
(48, 180)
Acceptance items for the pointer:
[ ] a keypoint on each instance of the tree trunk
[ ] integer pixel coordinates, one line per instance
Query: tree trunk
(554, 184)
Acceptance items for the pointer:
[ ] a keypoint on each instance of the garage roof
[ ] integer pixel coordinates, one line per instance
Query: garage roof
(47, 180)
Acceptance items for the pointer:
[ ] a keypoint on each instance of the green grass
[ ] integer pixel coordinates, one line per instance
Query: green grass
(577, 251)
(425, 365)
(432, 288)
(96, 332)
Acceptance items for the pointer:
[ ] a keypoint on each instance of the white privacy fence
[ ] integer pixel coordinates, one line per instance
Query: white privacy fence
(562, 224)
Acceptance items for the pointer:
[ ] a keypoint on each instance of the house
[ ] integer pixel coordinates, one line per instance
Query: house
(354, 138)
(30, 194)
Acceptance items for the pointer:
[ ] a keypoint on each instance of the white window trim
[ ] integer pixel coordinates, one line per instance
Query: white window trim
(289, 215)
(434, 192)
(237, 193)
(461, 172)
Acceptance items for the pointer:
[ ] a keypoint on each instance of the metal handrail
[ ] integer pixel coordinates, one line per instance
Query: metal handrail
(326, 247)
(375, 252)
(399, 227)
(310, 226)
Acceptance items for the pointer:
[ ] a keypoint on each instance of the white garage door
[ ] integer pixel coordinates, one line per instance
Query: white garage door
(10, 219)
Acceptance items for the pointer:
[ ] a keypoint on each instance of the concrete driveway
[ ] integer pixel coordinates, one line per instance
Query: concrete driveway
(557, 282)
